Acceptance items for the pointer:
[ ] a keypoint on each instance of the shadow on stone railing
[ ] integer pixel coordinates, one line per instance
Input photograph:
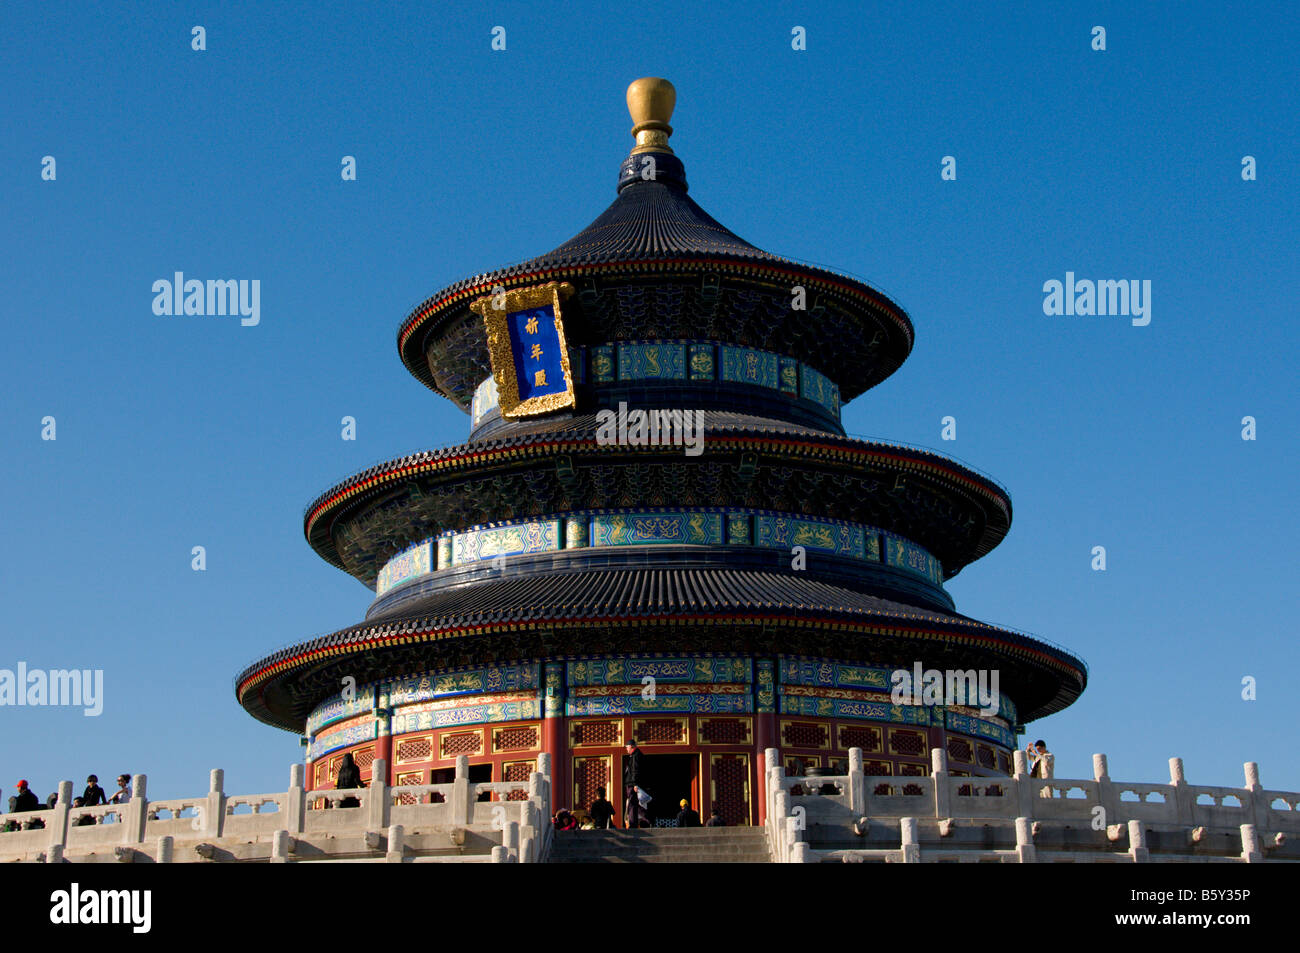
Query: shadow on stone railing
(1262, 819)
(515, 828)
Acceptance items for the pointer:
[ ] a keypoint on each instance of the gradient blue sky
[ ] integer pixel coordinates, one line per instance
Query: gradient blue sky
(183, 431)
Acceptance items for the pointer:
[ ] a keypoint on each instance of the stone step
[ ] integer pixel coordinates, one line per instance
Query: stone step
(669, 834)
(610, 844)
(706, 845)
(702, 858)
(676, 837)
(604, 849)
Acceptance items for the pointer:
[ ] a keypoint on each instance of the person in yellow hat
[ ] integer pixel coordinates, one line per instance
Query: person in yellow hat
(687, 817)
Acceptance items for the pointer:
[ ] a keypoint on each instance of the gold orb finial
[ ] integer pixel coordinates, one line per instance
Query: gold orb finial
(650, 100)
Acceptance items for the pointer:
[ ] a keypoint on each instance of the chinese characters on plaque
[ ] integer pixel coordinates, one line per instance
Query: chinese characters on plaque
(530, 359)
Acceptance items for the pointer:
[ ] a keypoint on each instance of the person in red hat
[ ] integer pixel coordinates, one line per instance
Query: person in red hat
(25, 800)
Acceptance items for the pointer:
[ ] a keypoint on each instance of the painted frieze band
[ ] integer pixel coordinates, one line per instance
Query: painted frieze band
(625, 361)
(626, 686)
(695, 527)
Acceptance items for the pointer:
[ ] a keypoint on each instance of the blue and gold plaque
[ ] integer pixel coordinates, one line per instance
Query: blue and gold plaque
(525, 338)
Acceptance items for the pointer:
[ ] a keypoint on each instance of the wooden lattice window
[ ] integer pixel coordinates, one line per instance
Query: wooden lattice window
(860, 736)
(409, 778)
(456, 743)
(517, 771)
(731, 788)
(515, 738)
(959, 749)
(415, 749)
(911, 770)
(800, 734)
(589, 774)
(660, 731)
(902, 741)
(724, 731)
(596, 733)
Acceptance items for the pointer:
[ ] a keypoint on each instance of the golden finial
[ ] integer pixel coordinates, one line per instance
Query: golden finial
(650, 100)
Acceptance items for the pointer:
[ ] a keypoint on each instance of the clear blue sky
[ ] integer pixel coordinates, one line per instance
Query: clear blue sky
(182, 431)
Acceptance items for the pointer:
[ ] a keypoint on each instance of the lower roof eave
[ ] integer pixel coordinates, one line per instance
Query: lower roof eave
(282, 689)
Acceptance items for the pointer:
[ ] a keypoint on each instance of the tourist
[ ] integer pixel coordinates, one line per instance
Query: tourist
(565, 821)
(715, 819)
(123, 792)
(10, 824)
(349, 777)
(26, 800)
(94, 795)
(634, 810)
(83, 820)
(602, 811)
(687, 817)
(1043, 764)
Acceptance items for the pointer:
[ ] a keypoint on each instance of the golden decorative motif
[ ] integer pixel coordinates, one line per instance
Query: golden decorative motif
(667, 688)
(821, 691)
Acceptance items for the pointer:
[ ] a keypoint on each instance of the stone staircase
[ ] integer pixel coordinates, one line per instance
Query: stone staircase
(662, 845)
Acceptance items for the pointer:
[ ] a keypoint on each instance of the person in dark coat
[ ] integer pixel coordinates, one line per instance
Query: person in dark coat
(633, 777)
(25, 800)
(349, 777)
(601, 811)
(93, 795)
(715, 819)
(687, 817)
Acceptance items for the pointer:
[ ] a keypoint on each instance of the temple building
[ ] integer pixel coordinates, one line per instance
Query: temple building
(657, 529)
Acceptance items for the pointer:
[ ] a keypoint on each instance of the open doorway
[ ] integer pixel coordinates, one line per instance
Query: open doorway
(477, 773)
(670, 778)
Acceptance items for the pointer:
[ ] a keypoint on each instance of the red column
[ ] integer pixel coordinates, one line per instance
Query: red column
(384, 749)
(555, 741)
(765, 735)
(383, 733)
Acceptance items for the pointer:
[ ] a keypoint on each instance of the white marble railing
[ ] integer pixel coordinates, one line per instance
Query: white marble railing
(1259, 816)
(385, 817)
